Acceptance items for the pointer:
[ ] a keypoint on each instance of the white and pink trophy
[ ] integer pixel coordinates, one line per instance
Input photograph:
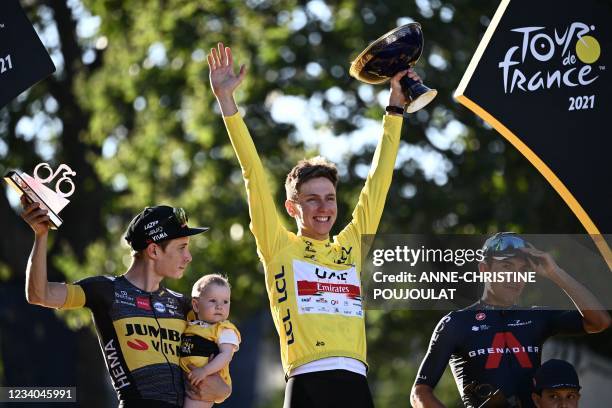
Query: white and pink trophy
(36, 191)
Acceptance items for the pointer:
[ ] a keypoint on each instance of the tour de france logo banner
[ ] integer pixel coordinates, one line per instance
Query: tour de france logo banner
(542, 77)
(23, 58)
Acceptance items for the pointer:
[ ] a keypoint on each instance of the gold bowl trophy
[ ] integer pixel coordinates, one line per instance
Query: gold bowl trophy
(35, 190)
(395, 51)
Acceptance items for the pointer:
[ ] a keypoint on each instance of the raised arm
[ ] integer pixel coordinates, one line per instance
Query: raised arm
(594, 316)
(38, 290)
(368, 211)
(223, 80)
(265, 222)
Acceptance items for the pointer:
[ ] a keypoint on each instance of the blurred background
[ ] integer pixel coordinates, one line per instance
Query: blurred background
(131, 111)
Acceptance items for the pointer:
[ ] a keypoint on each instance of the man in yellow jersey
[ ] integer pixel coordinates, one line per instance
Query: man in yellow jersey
(313, 282)
(139, 322)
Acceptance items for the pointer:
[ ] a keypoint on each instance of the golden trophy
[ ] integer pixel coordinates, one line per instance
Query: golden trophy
(395, 51)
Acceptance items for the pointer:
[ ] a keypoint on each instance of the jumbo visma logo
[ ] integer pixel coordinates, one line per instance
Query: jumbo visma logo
(547, 58)
(145, 341)
(161, 339)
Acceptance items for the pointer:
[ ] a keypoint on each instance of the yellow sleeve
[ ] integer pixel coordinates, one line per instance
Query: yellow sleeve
(369, 209)
(75, 297)
(265, 222)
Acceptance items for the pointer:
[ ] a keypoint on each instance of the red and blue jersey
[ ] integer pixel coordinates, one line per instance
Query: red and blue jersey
(494, 352)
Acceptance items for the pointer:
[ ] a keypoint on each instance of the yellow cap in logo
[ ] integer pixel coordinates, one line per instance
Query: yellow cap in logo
(588, 49)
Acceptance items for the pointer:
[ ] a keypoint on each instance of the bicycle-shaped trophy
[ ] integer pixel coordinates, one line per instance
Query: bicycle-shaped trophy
(35, 190)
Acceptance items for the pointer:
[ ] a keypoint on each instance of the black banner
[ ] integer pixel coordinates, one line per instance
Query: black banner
(23, 58)
(542, 76)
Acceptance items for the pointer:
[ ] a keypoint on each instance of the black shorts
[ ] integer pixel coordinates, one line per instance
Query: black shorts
(328, 389)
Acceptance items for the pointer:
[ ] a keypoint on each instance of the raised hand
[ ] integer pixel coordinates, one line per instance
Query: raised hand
(397, 97)
(35, 216)
(223, 80)
(541, 262)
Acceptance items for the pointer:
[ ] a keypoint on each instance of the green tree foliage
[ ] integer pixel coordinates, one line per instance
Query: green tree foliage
(131, 111)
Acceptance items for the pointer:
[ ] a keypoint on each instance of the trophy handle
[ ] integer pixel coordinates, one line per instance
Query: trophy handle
(416, 93)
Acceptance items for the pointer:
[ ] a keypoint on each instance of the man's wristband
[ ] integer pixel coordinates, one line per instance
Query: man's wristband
(394, 109)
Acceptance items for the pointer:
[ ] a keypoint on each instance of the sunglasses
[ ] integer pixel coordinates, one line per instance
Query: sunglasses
(178, 215)
(505, 243)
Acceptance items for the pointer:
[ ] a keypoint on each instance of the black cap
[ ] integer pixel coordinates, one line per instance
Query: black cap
(504, 245)
(555, 374)
(156, 224)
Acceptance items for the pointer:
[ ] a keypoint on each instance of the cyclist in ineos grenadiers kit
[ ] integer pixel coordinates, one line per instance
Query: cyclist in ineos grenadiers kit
(494, 347)
(139, 322)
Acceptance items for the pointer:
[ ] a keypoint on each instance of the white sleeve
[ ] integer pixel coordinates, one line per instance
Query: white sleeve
(229, 336)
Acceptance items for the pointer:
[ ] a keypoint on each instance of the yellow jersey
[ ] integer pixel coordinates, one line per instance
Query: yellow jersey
(314, 287)
(190, 345)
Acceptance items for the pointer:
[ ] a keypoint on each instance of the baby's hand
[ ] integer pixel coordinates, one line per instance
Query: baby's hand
(197, 375)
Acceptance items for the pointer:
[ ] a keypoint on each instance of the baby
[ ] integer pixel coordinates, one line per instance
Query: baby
(211, 303)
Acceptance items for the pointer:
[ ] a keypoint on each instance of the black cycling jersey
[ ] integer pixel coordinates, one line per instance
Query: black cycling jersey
(140, 336)
(493, 353)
